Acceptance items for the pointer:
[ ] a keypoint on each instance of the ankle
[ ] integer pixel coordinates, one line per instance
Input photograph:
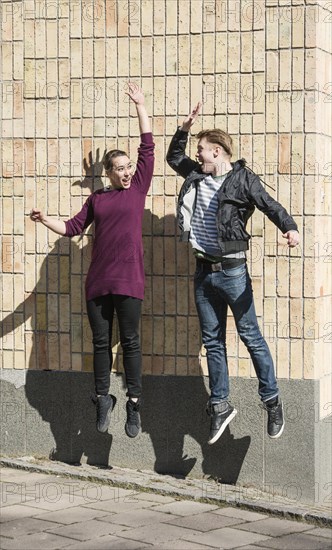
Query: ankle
(134, 399)
(272, 402)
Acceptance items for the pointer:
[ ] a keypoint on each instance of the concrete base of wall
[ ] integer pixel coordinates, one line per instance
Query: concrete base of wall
(49, 414)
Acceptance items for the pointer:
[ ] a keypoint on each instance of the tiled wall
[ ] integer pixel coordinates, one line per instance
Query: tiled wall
(263, 70)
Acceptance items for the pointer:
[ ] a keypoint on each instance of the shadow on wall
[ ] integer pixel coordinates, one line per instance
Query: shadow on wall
(54, 396)
(173, 407)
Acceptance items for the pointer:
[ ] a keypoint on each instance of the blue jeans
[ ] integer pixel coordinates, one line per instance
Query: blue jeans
(214, 292)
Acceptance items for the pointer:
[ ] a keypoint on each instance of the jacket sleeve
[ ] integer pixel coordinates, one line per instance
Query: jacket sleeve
(272, 208)
(82, 220)
(176, 157)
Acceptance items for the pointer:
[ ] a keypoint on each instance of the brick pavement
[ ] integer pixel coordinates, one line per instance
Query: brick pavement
(57, 512)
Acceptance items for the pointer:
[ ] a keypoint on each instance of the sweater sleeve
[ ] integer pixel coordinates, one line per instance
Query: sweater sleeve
(82, 220)
(145, 163)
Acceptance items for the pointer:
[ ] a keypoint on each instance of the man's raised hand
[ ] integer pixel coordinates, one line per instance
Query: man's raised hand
(191, 118)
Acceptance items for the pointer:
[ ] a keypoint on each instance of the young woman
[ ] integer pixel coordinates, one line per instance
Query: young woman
(115, 280)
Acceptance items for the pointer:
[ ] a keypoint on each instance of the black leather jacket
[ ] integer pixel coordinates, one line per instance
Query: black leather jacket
(241, 191)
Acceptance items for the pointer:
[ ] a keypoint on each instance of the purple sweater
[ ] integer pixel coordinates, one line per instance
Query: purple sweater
(117, 254)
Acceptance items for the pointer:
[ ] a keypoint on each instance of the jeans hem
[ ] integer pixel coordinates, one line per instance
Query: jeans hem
(216, 400)
(271, 397)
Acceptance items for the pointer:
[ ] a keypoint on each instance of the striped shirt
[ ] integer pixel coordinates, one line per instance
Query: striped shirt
(203, 233)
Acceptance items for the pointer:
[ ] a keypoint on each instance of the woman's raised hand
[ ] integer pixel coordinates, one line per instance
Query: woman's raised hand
(135, 93)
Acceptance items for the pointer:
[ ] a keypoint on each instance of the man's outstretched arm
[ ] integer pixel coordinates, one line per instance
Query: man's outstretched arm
(176, 157)
(274, 211)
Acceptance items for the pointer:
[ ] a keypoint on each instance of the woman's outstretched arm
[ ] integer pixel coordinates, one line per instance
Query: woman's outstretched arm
(137, 96)
(58, 226)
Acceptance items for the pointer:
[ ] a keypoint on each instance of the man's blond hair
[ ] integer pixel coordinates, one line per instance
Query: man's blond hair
(218, 137)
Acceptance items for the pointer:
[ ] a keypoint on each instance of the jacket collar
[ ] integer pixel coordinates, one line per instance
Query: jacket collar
(239, 164)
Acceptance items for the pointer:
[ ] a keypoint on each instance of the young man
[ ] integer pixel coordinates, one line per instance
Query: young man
(215, 202)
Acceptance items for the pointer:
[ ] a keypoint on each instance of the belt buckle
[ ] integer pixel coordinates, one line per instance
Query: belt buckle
(216, 267)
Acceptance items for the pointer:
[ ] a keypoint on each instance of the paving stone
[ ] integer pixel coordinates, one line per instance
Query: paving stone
(121, 506)
(11, 475)
(88, 490)
(275, 527)
(8, 474)
(52, 491)
(138, 518)
(87, 530)
(253, 547)
(127, 545)
(31, 482)
(26, 492)
(108, 542)
(43, 486)
(10, 499)
(36, 541)
(95, 492)
(300, 541)
(154, 497)
(56, 502)
(156, 534)
(71, 515)
(185, 508)
(16, 512)
(226, 538)
(102, 517)
(321, 532)
(25, 526)
(34, 478)
(204, 522)
(52, 487)
(3, 543)
(99, 543)
(183, 545)
(40, 493)
(241, 514)
(9, 488)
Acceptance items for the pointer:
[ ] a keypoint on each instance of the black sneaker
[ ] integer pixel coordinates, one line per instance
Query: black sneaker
(104, 404)
(133, 423)
(275, 417)
(221, 415)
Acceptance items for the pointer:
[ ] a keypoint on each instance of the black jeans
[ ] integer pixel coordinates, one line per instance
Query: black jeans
(101, 313)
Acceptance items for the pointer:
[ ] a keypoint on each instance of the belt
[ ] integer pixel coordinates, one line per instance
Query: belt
(219, 266)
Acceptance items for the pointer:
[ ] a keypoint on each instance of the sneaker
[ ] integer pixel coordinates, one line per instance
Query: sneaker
(221, 415)
(275, 417)
(133, 423)
(104, 404)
